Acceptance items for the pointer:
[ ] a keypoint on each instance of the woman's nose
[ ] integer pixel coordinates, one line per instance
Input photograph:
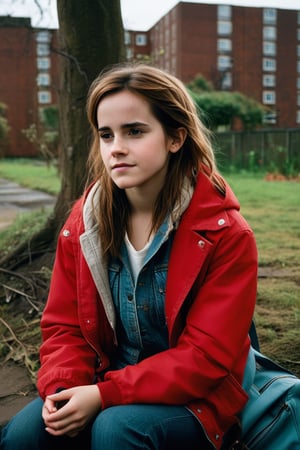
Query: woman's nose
(118, 146)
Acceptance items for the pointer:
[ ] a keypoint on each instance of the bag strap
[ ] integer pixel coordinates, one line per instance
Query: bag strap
(254, 337)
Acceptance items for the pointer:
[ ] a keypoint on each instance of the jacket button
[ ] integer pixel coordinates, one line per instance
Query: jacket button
(201, 243)
(221, 222)
(66, 233)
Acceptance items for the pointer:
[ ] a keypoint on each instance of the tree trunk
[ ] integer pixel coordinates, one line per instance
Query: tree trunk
(91, 37)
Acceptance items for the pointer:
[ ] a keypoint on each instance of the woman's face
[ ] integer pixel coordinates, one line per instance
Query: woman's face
(133, 144)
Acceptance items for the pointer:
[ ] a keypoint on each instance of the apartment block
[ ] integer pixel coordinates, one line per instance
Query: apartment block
(252, 50)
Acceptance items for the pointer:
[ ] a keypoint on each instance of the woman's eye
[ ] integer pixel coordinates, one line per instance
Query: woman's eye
(105, 136)
(135, 131)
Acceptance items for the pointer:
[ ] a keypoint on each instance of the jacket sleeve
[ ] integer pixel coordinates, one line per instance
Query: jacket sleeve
(212, 343)
(66, 358)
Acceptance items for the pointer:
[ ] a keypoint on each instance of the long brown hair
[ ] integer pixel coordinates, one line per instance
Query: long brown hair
(173, 107)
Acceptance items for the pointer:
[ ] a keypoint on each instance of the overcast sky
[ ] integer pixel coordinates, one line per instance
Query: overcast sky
(137, 14)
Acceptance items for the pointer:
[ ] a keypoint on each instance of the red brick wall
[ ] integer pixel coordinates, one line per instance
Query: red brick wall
(18, 83)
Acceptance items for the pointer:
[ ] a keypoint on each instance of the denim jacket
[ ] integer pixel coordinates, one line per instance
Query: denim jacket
(141, 320)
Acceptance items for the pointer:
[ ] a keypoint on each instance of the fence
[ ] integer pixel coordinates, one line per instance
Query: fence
(276, 150)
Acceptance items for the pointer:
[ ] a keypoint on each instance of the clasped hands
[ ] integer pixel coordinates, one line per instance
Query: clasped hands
(80, 405)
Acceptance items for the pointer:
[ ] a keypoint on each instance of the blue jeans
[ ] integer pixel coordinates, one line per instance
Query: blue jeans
(155, 427)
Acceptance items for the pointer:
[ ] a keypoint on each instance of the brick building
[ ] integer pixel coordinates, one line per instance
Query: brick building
(28, 79)
(252, 50)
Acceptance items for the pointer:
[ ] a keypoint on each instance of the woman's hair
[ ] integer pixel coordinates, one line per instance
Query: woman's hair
(173, 107)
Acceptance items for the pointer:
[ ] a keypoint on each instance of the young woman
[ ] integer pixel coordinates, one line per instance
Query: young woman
(145, 332)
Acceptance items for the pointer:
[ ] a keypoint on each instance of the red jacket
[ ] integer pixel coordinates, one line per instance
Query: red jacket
(210, 300)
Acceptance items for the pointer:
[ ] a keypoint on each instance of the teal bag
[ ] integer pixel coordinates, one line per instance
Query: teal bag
(271, 417)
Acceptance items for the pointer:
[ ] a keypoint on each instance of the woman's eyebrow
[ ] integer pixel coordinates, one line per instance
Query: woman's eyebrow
(125, 126)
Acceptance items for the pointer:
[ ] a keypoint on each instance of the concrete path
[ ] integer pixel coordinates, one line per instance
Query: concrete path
(15, 199)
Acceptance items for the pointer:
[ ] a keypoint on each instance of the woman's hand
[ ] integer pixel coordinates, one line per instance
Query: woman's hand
(80, 405)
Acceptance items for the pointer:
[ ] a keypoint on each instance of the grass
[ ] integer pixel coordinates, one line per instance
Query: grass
(272, 208)
(33, 174)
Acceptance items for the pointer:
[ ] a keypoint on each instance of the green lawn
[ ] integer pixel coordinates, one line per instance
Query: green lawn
(34, 174)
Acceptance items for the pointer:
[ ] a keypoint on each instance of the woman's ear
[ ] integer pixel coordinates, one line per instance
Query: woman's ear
(176, 142)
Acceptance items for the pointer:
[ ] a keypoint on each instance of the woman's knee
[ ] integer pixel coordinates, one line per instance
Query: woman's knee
(145, 426)
(118, 427)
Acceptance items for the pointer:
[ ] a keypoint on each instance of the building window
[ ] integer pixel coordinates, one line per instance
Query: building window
(269, 33)
(224, 12)
(224, 45)
(224, 28)
(43, 36)
(43, 63)
(298, 51)
(298, 17)
(270, 15)
(298, 66)
(44, 97)
(42, 50)
(269, 80)
(298, 83)
(43, 79)
(298, 99)
(141, 39)
(298, 34)
(127, 38)
(269, 65)
(270, 117)
(129, 53)
(298, 117)
(224, 62)
(226, 82)
(269, 48)
(269, 97)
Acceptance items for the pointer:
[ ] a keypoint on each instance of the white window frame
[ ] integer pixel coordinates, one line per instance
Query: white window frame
(224, 45)
(269, 33)
(44, 97)
(226, 82)
(269, 65)
(298, 116)
(269, 80)
(269, 48)
(224, 28)
(43, 79)
(43, 36)
(270, 15)
(141, 39)
(224, 12)
(127, 37)
(42, 49)
(298, 83)
(224, 62)
(43, 63)
(269, 97)
(298, 66)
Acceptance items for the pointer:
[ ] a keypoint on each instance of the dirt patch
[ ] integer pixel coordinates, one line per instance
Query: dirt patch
(16, 390)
